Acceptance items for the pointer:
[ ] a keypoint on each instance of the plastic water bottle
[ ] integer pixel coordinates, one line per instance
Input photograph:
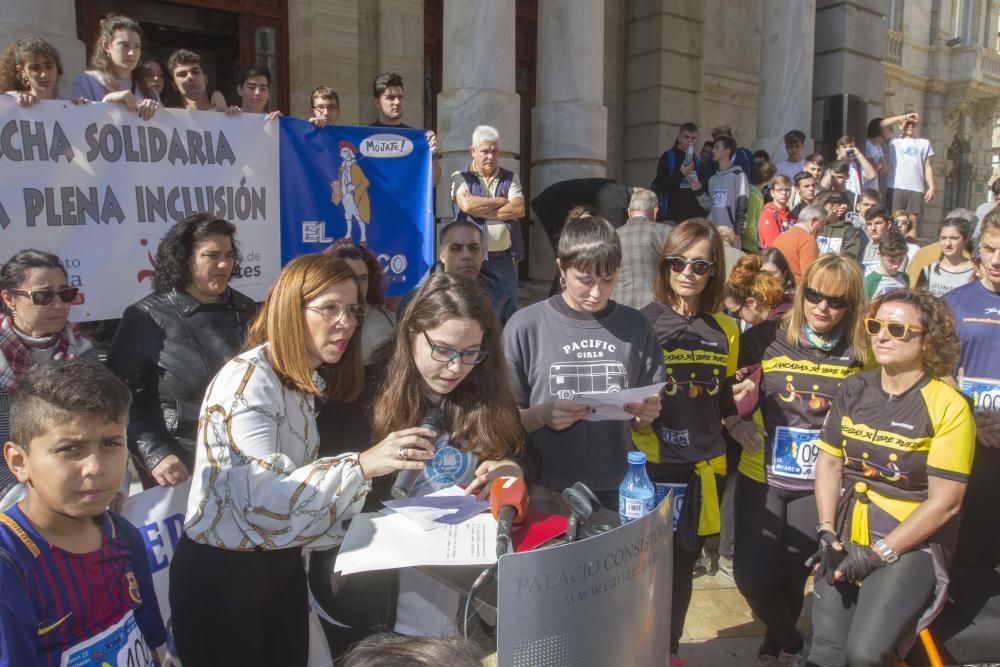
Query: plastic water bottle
(636, 493)
(689, 156)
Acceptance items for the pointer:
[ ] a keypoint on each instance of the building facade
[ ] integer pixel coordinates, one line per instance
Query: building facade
(599, 87)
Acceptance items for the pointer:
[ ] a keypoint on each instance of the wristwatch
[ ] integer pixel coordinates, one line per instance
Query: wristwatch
(885, 551)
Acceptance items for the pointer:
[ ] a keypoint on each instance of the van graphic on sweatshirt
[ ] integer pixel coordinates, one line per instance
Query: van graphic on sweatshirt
(572, 378)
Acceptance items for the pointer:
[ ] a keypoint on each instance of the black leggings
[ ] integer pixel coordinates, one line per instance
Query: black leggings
(775, 534)
(862, 626)
(246, 608)
(684, 559)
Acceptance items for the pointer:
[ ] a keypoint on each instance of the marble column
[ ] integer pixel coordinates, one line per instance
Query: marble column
(477, 81)
(55, 22)
(324, 49)
(786, 74)
(569, 124)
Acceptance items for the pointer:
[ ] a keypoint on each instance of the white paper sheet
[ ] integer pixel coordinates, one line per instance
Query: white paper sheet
(381, 542)
(610, 406)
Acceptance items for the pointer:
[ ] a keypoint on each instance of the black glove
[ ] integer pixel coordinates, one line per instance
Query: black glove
(861, 560)
(827, 557)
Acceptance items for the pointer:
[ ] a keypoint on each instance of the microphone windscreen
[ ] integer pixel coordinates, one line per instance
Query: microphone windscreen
(434, 420)
(509, 491)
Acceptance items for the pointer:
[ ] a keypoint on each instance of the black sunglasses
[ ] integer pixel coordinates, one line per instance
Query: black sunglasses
(678, 264)
(835, 302)
(43, 297)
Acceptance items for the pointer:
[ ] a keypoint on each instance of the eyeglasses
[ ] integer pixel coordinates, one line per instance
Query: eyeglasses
(678, 264)
(902, 222)
(325, 107)
(333, 312)
(836, 302)
(897, 330)
(446, 354)
(43, 297)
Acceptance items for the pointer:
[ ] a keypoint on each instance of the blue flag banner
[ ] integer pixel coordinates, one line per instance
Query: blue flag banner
(370, 184)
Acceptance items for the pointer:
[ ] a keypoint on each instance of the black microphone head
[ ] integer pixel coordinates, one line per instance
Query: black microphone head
(585, 490)
(579, 503)
(434, 420)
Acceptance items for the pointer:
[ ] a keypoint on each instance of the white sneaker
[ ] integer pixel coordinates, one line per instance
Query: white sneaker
(792, 659)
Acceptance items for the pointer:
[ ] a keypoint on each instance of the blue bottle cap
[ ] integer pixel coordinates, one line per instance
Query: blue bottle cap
(636, 457)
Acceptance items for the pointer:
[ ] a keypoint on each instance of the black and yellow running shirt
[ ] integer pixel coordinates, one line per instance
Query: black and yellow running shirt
(891, 445)
(797, 388)
(699, 355)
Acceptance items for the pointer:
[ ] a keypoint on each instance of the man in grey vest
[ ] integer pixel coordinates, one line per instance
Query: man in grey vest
(491, 196)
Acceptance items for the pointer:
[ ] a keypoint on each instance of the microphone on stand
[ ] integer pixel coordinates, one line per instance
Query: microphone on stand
(509, 505)
(405, 479)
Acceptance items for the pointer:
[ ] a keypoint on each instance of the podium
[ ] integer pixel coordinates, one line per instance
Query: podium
(601, 601)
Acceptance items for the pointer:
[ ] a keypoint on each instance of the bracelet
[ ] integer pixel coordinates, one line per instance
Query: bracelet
(885, 551)
(819, 526)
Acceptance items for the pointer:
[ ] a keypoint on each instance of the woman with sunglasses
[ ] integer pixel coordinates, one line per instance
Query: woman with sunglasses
(894, 458)
(172, 342)
(34, 329)
(579, 342)
(685, 449)
(953, 268)
(259, 493)
(803, 356)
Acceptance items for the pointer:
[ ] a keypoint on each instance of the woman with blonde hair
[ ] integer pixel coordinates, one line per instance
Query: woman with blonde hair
(894, 459)
(804, 357)
(113, 76)
(259, 493)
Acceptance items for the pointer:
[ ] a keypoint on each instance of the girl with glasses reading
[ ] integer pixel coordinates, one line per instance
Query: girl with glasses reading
(804, 356)
(445, 356)
(685, 450)
(34, 328)
(894, 458)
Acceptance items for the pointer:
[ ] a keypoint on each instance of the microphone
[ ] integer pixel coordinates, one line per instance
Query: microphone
(583, 504)
(405, 479)
(509, 505)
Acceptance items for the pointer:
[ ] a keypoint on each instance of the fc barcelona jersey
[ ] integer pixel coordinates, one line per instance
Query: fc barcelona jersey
(59, 608)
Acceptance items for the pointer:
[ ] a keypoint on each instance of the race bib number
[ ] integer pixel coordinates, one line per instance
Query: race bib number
(679, 490)
(794, 452)
(121, 645)
(985, 393)
(719, 199)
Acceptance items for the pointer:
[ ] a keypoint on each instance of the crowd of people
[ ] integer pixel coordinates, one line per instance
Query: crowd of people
(830, 405)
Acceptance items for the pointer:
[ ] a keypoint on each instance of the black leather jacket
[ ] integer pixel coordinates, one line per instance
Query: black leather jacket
(167, 349)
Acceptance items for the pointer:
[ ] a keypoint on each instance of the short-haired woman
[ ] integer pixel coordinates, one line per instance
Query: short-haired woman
(34, 329)
(803, 357)
(171, 343)
(580, 342)
(894, 457)
(259, 493)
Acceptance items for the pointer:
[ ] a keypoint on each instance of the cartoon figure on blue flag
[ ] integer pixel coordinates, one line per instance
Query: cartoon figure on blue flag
(376, 180)
(350, 191)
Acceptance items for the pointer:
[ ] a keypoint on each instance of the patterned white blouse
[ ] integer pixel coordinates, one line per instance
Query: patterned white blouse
(257, 483)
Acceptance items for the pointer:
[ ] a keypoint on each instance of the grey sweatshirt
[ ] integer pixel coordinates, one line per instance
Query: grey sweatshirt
(554, 352)
(726, 198)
